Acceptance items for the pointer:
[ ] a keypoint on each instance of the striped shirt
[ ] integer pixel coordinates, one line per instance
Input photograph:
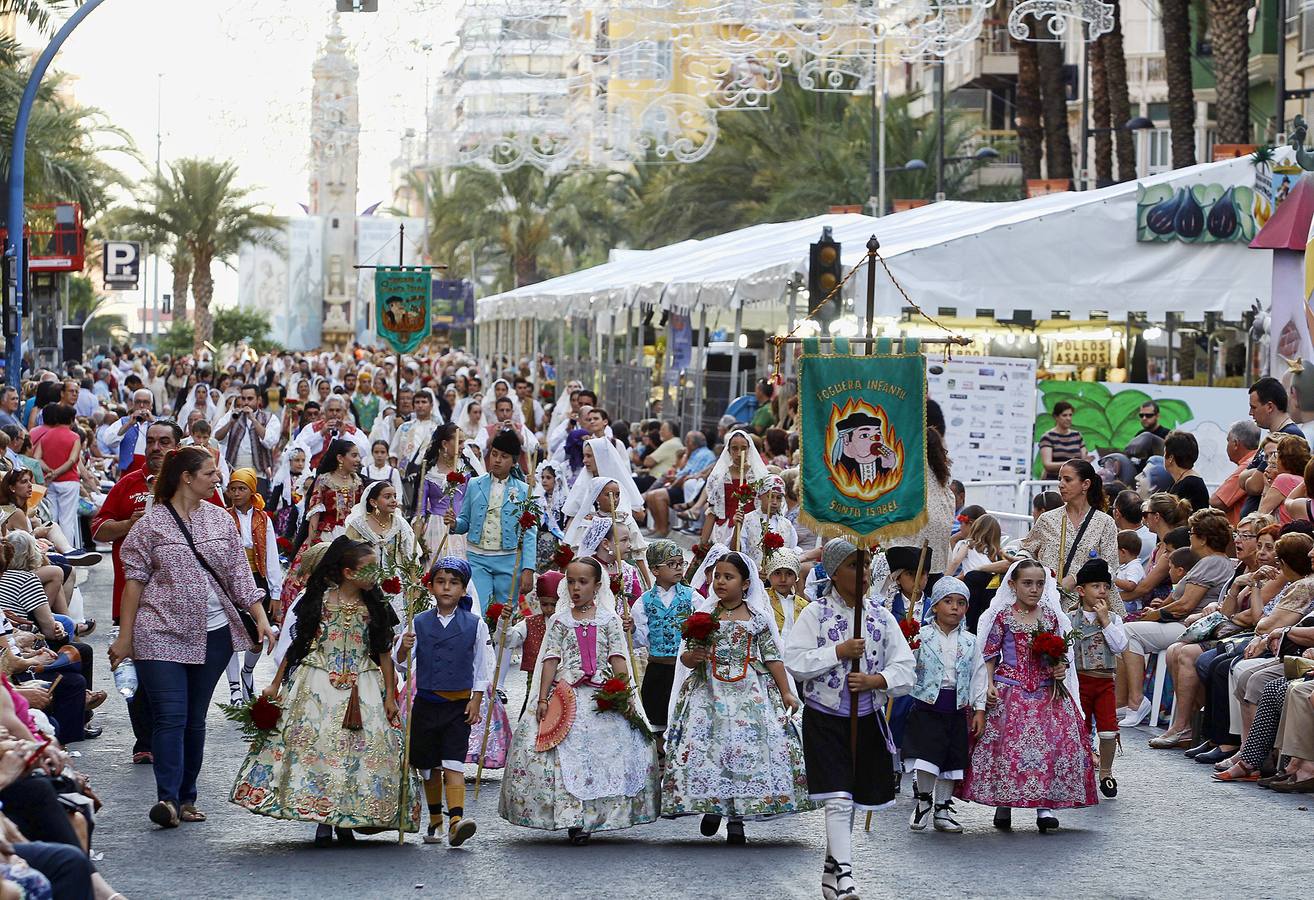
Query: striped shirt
(21, 593)
(1064, 446)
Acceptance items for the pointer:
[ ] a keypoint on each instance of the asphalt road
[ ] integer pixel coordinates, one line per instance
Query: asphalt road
(1172, 832)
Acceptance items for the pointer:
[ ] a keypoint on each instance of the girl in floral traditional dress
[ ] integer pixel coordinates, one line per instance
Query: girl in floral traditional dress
(767, 519)
(739, 465)
(337, 489)
(335, 756)
(376, 521)
(732, 749)
(596, 771)
(442, 491)
(550, 491)
(1035, 752)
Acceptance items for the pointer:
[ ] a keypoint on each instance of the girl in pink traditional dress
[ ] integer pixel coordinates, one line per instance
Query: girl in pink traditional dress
(1035, 752)
(337, 489)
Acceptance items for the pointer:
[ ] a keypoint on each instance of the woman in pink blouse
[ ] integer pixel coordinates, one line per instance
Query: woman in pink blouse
(179, 622)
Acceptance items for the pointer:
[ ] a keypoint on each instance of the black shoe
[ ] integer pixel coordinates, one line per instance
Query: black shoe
(323, 835)
(1046, 823)
(345, 835)
(165, 814)
(501, 697)
(734, 833)
(710, 825)
(1109, 786)
(578, 836)
(1003, 818)
(91, 732)
(1215, 755)
(1198, 749)
(82, 558)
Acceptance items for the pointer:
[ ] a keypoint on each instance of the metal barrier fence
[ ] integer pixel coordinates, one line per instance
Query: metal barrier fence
(626, 391)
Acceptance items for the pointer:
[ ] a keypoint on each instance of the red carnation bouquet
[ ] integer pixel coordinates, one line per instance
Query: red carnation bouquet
(616, 694)
(493, 613)
(452, 483)
(391, 585)
(1051, 649)
(562, 557)
(617, 586)
(256, 718)
(698, 628)
(745, 493)
(284, 546)
(911, 632)
(771, 541)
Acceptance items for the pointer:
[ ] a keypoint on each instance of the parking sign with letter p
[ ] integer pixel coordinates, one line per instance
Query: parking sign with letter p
(122, 263)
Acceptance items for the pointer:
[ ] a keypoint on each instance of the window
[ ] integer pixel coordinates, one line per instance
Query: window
(1158, 112)
(1161, 150)
(1306, 27)
(645, 61)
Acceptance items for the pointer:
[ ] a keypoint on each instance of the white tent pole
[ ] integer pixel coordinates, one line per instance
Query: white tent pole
(734, 351)
(699, 368)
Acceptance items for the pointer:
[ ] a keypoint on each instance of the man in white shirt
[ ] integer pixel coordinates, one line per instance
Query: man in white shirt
(129, 439)
(314, 439)
(248, 435)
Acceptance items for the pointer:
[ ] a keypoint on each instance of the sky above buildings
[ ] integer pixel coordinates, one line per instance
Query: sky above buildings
(237, 82)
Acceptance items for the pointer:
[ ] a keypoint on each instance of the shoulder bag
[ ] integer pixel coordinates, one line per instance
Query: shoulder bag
(248, 622)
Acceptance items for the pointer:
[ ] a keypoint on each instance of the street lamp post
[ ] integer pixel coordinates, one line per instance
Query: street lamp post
(16, 220)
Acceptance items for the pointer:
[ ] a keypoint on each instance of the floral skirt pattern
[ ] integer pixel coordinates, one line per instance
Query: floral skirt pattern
(732, 750)
(313, 770)
(1034, 753)
(602, 777)
(499, 737)
(435, 529)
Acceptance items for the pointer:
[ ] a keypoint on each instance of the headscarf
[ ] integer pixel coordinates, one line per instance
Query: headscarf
(709, 562)
(662, 551)
(453, 564)
(473, 459)
(945, 586)
(598, 531)
(604, 600)
(782, 558)
(755, 597)
(610, 465)
(462, 417)
(554, 503)
(248, 477)
(574, 450)
(577, 524)
(720, 475)
(362, 507)
(490, 402)
(1006, 597)
(836, 551)
(561, 409)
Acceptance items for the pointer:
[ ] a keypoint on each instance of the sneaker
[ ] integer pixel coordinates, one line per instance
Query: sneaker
(921, 811)
(944, 818)
(1136, 716)
(1109, 786)
(82, 558)
(461, 831)
(433, 835)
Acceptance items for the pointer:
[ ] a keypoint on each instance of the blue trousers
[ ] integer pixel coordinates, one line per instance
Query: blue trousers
(492, 574)
(180, 695)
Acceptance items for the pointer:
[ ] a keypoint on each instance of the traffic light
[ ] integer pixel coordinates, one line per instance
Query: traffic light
(8, 300)
(824, 272)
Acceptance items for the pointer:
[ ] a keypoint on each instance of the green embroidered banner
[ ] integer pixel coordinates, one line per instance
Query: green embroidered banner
(863, 442)
(401, 296)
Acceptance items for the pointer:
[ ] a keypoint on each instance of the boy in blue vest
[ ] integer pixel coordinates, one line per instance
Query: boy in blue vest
(947, 699)
(659, 613)
(451, 673)
(490, 518)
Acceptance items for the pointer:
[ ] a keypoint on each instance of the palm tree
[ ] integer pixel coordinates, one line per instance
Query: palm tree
(1229, 36)
(1054, 106)
(180, 264)
(1100, 115)
(199, 205)
(38, 13)
(1029, 135)
(67, 144)
(1115, 69)
(1176, 18)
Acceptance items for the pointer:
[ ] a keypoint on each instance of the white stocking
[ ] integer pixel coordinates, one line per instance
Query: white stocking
(925, 782)
(234, 671)
(839, 830)
(944, 790)
(251, 657)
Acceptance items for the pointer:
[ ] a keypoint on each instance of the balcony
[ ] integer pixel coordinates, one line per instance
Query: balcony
(1146, 71)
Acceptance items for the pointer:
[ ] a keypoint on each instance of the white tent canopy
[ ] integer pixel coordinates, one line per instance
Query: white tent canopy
(1073, 252)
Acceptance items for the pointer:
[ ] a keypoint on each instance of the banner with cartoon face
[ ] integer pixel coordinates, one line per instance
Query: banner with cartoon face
(864, 443)
(402, 306)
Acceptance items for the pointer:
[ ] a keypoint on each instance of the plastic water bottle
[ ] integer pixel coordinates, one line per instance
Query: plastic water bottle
(125, 679)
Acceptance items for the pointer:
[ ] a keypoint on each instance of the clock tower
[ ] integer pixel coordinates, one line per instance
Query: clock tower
(334, 159)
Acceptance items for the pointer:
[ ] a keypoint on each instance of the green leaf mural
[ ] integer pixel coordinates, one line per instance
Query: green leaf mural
(1107, 421)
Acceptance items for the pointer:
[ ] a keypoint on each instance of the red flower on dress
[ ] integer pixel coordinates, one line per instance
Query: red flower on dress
(699, 626)
(562, 556)
(391, 585)
(614, 685)
(1051, 645)
(617, 585)
(772, 541)
(528, 519)
(265, 713)
(602, 704)
(284, 545)
(455, 478)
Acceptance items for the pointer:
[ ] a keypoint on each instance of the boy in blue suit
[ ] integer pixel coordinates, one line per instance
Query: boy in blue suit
(489, 515)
